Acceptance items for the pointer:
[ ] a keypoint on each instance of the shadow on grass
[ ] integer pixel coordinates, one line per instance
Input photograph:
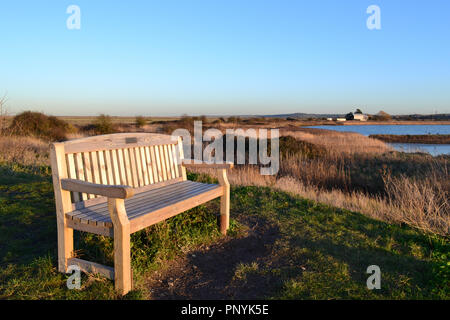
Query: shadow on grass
(27, 216)
(209, 273)
(305, 251)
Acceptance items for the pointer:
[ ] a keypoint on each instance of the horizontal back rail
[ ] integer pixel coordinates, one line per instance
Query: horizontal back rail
(117, 141)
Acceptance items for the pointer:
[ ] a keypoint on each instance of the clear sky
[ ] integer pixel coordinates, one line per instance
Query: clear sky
(225, 57)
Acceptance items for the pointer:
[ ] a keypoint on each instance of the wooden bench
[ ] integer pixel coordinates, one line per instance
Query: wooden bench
(117, 184)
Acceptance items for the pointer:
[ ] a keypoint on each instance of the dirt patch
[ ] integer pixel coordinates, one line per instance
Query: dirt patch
(209, 271)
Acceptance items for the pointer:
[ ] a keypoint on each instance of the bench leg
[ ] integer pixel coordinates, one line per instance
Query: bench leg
(224, 202)
(122, 262)
(122, 254)
(65, 244)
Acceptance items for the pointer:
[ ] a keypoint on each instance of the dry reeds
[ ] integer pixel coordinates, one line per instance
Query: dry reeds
(418, 197)
(24, 150)
(339, 143)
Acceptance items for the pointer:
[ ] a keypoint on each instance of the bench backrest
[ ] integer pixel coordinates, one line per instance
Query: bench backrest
(133, 159)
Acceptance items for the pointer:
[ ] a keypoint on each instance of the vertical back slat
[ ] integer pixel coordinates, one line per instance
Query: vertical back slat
(138, 167)
(144, 166)
(87, 170)
(175, 160)
(80, 171)
(121, 162)
(109, 167)
(158, 164)
(126, 154)
(72, 174)
(115, 166)
(166, 161)
(102, 166)
(163, 162)
(149, 165)
(180, 158)
(95, 167)
(170, 156)
(133, 167)
(154, 165)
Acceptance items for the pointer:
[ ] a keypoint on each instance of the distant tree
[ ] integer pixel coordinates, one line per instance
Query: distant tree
(383, 116)
(40, 125)
(104, 125)
(349, 116)
(233, 119)
(140, 121)
(358, 111)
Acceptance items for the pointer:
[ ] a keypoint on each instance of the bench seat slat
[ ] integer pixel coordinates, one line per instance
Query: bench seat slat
(154, 197)
(146, 202)
(139, 200)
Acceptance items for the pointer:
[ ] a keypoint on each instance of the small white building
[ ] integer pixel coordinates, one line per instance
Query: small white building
(341, 119)
(360, 116)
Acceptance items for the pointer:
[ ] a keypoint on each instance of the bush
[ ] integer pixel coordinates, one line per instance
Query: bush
(104, 125)
(39, 125)
(381, 116)
(140, 121)
(291, 146)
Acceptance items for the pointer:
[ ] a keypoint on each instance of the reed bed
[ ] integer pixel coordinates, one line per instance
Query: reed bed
(365, 176)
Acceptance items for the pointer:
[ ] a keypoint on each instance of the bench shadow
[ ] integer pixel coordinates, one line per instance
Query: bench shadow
(28, 220)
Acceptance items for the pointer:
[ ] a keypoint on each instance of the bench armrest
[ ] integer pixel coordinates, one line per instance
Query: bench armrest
(206, 165)
(110, 191)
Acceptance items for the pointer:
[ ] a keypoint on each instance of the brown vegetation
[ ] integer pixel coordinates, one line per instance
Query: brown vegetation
(27, 151)
(345, 170)
(420, 138)
(39, 125)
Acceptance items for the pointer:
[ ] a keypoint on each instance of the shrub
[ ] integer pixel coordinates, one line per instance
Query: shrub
(39, 125)
(381, 116)
(140, 121)
(104, 125)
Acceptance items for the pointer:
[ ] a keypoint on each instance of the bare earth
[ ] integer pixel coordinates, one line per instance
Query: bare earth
(208, 273)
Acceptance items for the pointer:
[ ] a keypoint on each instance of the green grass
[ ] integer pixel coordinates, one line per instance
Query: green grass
(320, 252)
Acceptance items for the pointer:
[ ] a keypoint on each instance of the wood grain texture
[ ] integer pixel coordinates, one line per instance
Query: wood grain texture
(112, 191)
(180, 159)
(120, 184)
(116, 141)
(63, 205)
(122, 254)
(224, 201)
(92, 267)
(190, 164)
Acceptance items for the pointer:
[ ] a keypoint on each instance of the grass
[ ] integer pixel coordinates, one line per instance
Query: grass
(420, 138)
(323, 252)
(320, 252)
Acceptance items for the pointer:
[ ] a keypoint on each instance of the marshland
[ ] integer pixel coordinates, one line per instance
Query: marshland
(340, 202)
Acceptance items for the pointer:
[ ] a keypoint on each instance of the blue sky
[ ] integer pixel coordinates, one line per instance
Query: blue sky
(225, 57)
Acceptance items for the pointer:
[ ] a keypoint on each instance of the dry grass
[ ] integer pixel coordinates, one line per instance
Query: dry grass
(422, 205)
(338, 143)
(418, 201)
(24, 150)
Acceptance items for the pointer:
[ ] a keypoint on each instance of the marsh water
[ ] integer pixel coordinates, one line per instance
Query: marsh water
(434, 149)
